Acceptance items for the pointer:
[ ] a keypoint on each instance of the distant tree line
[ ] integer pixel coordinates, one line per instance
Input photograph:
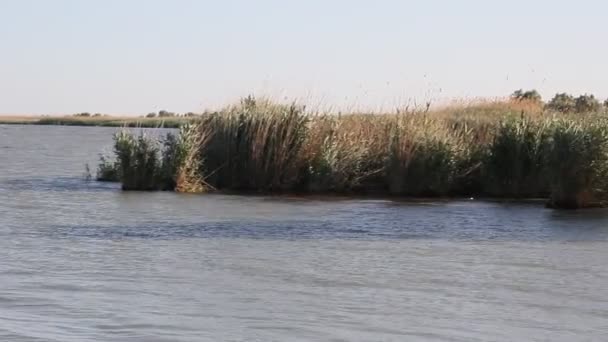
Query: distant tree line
(563, 102)
(87, 115)
(167, 114)
(160, 114)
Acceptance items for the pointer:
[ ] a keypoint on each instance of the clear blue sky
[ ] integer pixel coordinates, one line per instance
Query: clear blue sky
(137, 56)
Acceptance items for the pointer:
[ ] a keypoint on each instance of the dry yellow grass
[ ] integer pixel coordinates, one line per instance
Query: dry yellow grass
(15, 119)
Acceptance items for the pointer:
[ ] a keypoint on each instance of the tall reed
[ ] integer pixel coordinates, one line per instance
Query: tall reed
(578, 163)
(255, 146)
(346, 153)
(514, 166)
(182, 166)
(138, 158)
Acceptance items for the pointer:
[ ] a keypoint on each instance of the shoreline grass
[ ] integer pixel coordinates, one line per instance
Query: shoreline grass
(512, 149)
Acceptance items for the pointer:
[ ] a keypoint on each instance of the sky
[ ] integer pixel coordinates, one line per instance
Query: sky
(132, 57)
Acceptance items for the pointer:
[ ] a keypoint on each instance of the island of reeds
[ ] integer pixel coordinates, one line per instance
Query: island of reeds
(520, 148)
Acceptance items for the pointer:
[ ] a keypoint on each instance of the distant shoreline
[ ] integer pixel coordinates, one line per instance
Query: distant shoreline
(102, 121)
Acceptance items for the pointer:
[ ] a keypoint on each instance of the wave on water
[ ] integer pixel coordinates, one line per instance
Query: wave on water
(56, 184)
(326, 229)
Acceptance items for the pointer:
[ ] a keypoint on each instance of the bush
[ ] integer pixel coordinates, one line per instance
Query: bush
(586, 104)
(566, 103)
(151, 115)
(563, 103)
(529, 95)
(83, 115)
(165, 114)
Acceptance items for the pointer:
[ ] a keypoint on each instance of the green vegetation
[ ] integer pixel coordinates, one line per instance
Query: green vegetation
(144, 163)
(578, 163)
(566, 103)
(514, 149)
(562, 102)
(108, 121)
(528, 95)
(586, 104)
(107, 170)
(514, 165)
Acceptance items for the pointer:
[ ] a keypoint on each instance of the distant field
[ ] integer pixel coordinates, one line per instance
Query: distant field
(107, 121)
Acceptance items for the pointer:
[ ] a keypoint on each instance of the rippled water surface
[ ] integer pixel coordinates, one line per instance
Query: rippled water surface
(83, 261)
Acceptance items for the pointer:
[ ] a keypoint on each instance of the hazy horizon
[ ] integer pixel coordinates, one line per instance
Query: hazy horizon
(135, 57)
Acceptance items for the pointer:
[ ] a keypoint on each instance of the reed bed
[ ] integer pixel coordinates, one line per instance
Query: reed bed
(504, 149)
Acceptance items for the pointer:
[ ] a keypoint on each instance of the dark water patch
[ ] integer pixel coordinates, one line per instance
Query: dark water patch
(232, 229)
(328, 229)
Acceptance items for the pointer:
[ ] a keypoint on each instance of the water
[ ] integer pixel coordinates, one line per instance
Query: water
(83, 261)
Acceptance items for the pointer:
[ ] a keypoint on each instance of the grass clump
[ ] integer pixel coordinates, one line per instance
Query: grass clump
(254, 146)
(421, 159)
(515, 165)
(108, 170)
(145, 163)
(140, 166)
(578, 163)
(345, 154)
(182, 167)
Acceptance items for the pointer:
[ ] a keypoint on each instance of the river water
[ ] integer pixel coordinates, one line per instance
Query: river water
(83, 261)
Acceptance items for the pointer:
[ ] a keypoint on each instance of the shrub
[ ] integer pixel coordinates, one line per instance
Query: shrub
(586, 104)
(165, 114)
(563, 103)
(529, 95)
(151, 115)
